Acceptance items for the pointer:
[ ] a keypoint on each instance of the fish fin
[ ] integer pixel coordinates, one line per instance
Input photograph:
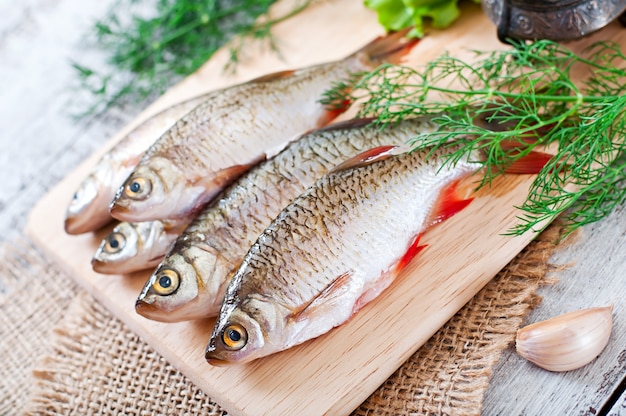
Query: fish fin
(390, 48)
(387, 278)
(332, 111)
(354, 123)
(274, 76)
(533, 162)
(365, 158)
(326, 297)
(227, 175)
(449, 202)
(414, 249)
(133, 161)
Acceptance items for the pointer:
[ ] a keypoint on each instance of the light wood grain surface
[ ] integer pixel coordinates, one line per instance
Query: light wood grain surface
(42, 145)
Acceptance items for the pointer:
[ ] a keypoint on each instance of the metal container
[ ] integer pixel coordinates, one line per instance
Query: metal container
(551, 19)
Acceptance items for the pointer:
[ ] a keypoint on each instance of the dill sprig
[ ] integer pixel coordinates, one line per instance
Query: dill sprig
(509, 103)
(152, 44)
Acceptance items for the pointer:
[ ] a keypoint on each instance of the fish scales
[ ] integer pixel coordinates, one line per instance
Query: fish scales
(317, 262)
(352, 221)
(286, 175)
(214, 144)
(340, 244)
(276, 183)
(193, 142)
(232, 223)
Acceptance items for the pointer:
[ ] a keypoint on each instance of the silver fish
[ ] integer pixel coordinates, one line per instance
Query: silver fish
(131, 247)
(89, 208)
(218, 141)
(190, 282)
(334, 249)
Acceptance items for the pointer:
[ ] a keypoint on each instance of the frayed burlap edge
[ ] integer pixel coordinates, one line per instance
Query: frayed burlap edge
(94, 364)
(450, 373)
(33, 298)
(98, 366)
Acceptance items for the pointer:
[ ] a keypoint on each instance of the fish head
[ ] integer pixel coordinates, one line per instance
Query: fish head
(188, 284)
(130, 247)
(156, 189)
(246, 331)
(88, 209)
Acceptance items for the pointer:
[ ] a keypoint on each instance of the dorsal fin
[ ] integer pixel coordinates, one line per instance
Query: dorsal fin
(365, 158)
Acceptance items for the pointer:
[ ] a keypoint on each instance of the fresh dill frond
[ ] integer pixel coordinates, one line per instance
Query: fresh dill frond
(152, 44)
(509, 103)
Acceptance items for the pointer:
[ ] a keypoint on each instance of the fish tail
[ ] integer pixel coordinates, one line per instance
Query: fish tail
(532, 163)
(390, 48)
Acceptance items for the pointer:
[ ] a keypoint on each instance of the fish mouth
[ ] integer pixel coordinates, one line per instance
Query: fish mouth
(144, 308)
(216, 362)
(81, 224)
(74, 226)
(102, 267)
(149, 311)
(119, 211)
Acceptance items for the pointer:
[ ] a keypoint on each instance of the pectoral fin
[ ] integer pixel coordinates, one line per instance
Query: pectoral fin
(365, 158)
(133, 161)
(225, 176)
(331, 112)
(326, 299)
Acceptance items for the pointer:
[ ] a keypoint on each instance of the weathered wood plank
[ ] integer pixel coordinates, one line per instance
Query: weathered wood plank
(40, 143)
(619, 408)
(596, 278)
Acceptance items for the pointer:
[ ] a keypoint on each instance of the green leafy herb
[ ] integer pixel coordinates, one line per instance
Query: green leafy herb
(399, 14)
(152, 44)
(527, 97)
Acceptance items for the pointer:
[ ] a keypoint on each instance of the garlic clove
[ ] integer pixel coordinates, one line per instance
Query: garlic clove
(567, 341)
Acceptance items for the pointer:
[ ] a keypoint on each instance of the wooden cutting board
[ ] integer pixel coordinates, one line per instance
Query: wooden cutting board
(336, 372)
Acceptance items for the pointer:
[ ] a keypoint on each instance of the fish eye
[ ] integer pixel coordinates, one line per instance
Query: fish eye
(166, 282)
(234, 337)
(138, 188)
(114, 243)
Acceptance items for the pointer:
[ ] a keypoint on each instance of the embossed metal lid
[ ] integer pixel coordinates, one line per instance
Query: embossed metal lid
(551, 19)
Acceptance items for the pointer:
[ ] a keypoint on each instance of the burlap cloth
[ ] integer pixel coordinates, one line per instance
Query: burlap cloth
(64, 353)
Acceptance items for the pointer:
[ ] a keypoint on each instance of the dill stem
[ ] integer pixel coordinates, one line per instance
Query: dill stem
(578, 98)
(280, 19)
(529, 92)
(184, 30)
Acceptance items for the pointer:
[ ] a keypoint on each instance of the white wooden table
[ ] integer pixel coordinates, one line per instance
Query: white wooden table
(40, 143)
